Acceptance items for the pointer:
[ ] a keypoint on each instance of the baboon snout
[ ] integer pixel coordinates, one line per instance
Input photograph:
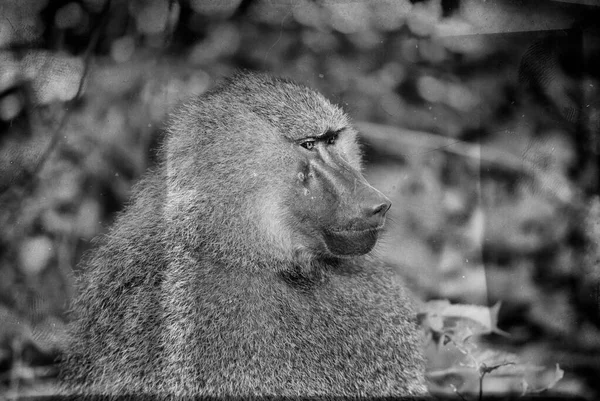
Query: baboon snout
(374, 207)
(348, 212)
(359, 222)
(359, 205)
(367, 207)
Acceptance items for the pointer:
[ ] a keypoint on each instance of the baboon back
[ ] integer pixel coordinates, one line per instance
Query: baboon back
(242, 265)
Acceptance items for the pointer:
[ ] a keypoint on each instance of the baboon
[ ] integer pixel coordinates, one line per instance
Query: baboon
(241, 266)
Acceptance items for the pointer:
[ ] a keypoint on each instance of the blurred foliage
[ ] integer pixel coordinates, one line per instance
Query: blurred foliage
(486, 144)
(461, 364)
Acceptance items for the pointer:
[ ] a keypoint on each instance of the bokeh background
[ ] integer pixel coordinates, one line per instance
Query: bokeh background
(479, 120)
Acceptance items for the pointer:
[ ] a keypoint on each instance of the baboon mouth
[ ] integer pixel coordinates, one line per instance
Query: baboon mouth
(356, 231)
(351, 242)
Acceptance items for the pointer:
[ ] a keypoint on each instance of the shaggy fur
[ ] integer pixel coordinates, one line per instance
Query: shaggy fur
(204, 285)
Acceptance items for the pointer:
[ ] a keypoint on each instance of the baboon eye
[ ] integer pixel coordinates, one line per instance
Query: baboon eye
(309, 145)
(331, 140)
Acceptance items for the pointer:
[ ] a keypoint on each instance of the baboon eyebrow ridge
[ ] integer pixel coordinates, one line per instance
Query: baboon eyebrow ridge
(331, 132)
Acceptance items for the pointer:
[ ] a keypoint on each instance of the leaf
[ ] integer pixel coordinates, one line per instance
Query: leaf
(463, 320)
(554, 378)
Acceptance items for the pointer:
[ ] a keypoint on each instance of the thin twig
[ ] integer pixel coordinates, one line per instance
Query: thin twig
(32, 174)
(86, 67)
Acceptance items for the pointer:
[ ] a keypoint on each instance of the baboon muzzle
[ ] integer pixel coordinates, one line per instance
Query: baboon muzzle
(351, 212)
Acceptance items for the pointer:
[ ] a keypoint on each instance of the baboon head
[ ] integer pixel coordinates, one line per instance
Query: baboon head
(291, 159)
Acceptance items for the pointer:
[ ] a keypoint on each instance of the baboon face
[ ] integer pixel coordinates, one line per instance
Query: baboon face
(339, 210)
(332, 208)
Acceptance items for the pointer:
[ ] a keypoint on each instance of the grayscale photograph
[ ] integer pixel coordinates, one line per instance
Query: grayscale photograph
(299, 199)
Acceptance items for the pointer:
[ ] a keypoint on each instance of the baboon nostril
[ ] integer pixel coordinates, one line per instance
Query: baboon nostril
(382, 208)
